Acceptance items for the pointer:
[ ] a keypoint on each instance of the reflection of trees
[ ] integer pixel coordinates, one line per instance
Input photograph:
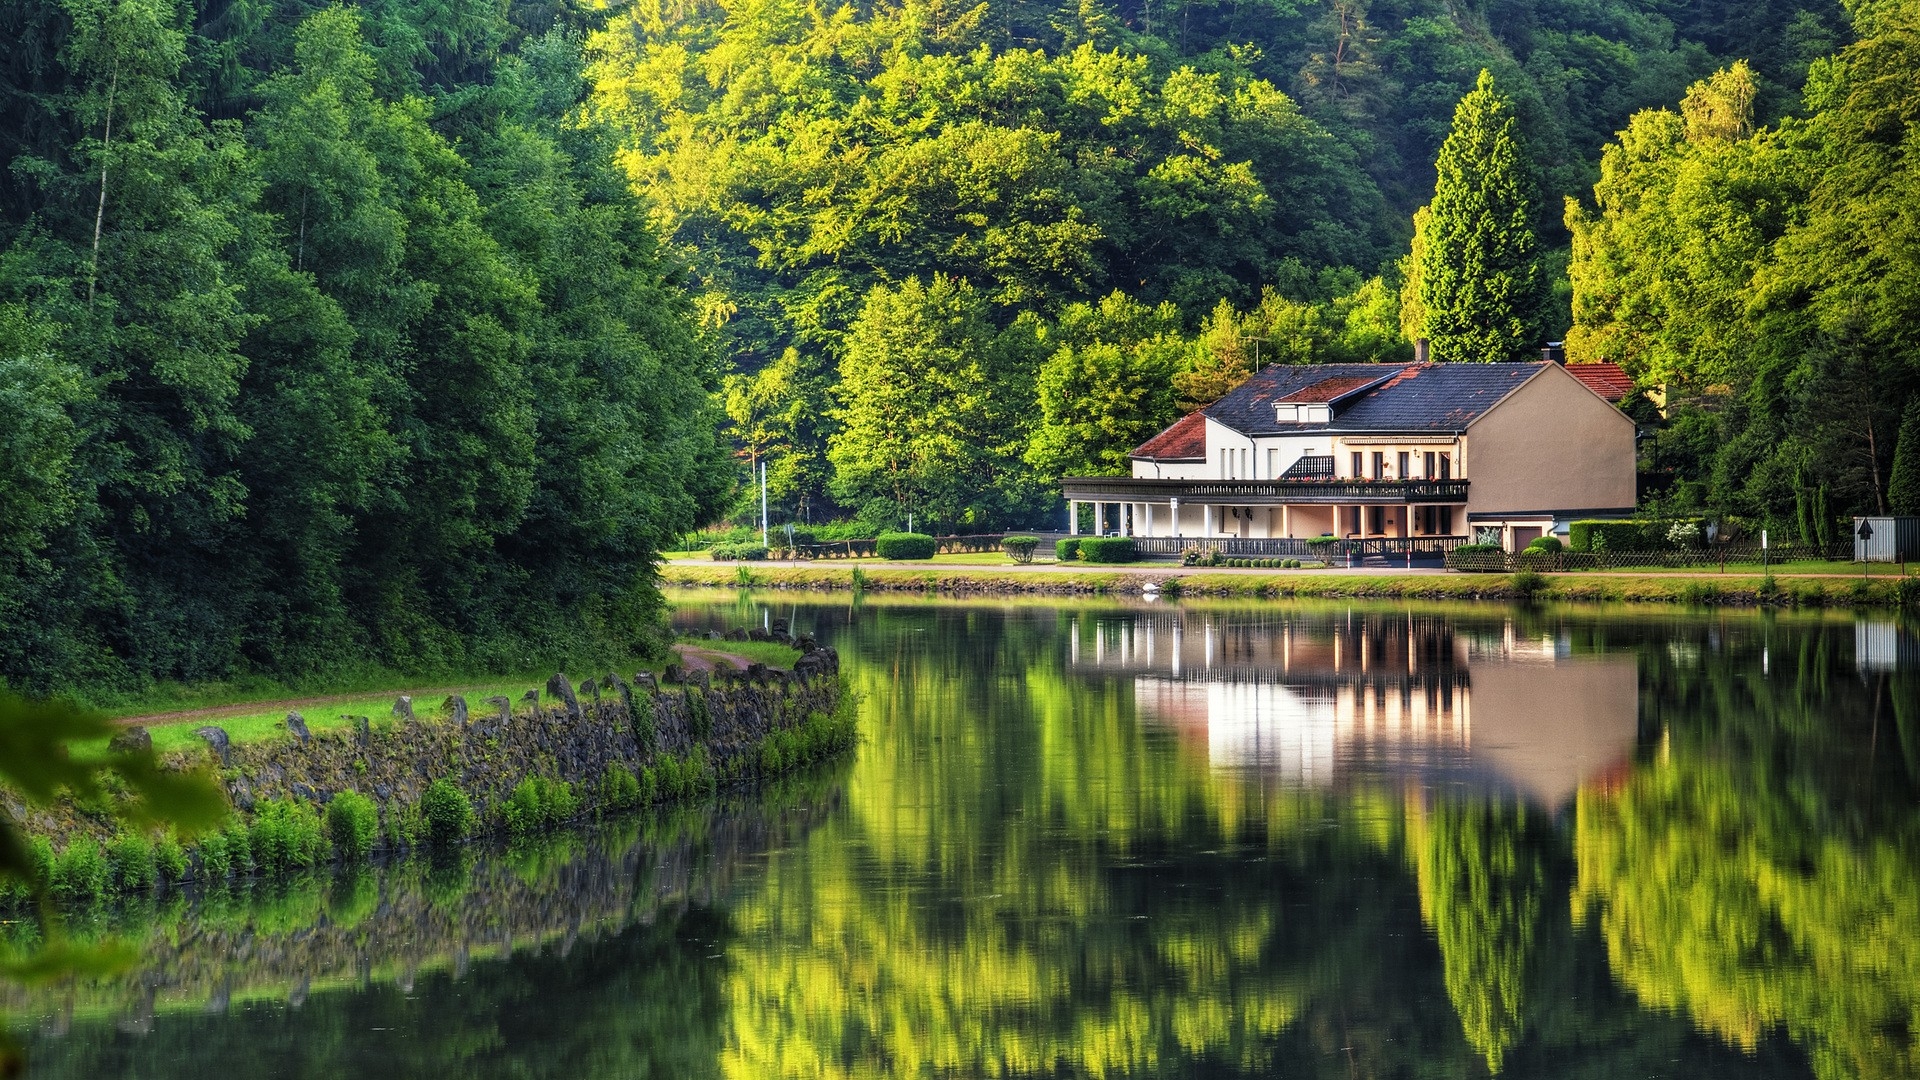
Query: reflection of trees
(1483, 885)
(1763, 874)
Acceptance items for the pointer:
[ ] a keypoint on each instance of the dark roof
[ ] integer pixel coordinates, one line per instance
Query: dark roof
(1332, 389)
(1186, 440)
(1400, 397)
(1605, 379)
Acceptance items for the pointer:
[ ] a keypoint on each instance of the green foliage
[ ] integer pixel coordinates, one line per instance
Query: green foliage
(81, 873)
(1109, 549)
(131, 856)
(353, 822)
(1903, 480)
(1481, 286)
(1528, 584)
(1550, 545)
(286, 835)
(905, 546)
(538, 803)
(737, 552)
(686, 777)
(448, 812)
(619, 788)
(1067, 549)
(1627, 535)
(646, 727)
(170, 859)
(699, 713)
(1020, 548)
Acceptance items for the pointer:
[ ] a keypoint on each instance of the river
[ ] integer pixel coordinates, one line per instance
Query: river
(1112, 839)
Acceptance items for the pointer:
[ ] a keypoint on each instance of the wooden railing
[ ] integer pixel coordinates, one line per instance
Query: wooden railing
(1423, 548)
(1262, 492)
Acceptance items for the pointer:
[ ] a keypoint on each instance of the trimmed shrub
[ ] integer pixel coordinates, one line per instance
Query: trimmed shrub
(748, 552)
(1109, 549)
(131, 856)
(1549, 544)
(1020, 548)
(904, 545)
(448, 812)
(1628, 535)
(354, 823)
(1067, 550)
(287, 835)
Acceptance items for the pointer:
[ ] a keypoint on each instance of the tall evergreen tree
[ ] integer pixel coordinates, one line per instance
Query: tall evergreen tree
(1482, 291)
(1903, 487)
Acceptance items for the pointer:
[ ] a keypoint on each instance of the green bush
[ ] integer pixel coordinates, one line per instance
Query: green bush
(1109, 549)
(354, 823)
(216, 857)
(1020, 548)
(287, 835)
(131, 856)
(80, 873)
(169, 860)
(1067, 550)
(905, 545)
(1528, 584)
(1626, 535)
(683, 778)
(748, 552)
(619, 788)
(448, 812)
(538, 803)
(1549, 544)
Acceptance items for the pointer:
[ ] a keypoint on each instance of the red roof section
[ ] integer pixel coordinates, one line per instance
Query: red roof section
(1604, 379)
(1327, 390)
(1186, 440)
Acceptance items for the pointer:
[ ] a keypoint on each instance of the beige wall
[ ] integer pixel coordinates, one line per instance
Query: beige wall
(1551, 445)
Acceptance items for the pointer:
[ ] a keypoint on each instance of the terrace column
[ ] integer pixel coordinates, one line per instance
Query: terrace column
(1073, 518)
(1206, 519)
(1149, 516)
(1173, 507)
(1286, 520)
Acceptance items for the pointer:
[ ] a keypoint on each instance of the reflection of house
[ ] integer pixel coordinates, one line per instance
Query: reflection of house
(1421, 452)
(1314, 699)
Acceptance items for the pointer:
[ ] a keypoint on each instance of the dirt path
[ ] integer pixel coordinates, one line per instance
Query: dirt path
(701, 658)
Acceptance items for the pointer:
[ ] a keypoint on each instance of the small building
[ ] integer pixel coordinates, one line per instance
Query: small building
(1399, 457)
(1886, 539)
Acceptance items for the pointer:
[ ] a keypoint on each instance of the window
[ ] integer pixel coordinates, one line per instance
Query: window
(1376, 518)
(1357, 473)
(1379, 465)
(1429, 473)
(1273, 464)
(1405, 464)
(1353, 517)
(1446, 466)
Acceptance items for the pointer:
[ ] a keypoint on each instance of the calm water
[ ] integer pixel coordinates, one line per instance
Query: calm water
(1112, 840)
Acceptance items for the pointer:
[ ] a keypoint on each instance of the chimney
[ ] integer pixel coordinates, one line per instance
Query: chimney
(1420, 351)
(1555, 352)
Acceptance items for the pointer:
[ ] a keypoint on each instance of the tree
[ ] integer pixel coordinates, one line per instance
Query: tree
(1482, 290)
(1903, 486)
(932, 410)
(1106, 389)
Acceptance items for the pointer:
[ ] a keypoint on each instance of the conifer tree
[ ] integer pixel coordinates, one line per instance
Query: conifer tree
(1481, 287)
(1903, 487)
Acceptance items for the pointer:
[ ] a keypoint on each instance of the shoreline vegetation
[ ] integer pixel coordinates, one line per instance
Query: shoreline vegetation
(1704, 589)
(306, 797)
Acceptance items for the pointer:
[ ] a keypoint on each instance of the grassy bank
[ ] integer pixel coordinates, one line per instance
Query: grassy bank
(1662, 587)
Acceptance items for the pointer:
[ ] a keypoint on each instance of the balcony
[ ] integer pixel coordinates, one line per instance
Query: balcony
(1265, 492)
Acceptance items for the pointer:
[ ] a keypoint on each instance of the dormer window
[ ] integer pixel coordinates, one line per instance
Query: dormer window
(1289, 413)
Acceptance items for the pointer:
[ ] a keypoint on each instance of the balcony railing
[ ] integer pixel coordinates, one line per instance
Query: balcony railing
(1263, 492)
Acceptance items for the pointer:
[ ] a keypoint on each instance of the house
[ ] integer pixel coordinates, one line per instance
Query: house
(1398, 457)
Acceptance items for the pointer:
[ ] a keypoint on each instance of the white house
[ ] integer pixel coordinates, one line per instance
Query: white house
(1425, 455)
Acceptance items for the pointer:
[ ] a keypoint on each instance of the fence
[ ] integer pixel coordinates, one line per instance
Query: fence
(866, 549)
(1390, 549)
(1671, 559)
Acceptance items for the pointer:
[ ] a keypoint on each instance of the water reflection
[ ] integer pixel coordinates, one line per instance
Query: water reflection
(1202, 840)
(1318, 696)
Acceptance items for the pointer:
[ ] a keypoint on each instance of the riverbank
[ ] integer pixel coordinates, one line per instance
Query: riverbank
(1807, 590)
(440, 776)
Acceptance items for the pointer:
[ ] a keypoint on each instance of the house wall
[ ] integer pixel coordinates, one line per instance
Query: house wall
(1552, 445)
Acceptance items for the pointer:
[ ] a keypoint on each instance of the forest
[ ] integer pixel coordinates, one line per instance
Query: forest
(407, 334)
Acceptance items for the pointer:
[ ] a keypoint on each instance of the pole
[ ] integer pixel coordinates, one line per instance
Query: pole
(763, 504)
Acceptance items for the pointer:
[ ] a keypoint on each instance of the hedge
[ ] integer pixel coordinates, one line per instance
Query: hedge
(752, 552)
(1630, 535)
(904, 545)
(1109, 549)
(1066, 550)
